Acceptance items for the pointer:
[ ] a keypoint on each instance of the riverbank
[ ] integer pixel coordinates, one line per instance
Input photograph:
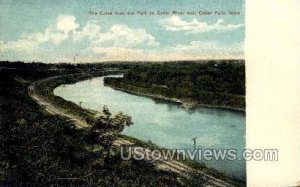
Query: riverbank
(75, 110)
(209, 84)
(197, 166)
(44, 88)
(39, 149)
(187, 104)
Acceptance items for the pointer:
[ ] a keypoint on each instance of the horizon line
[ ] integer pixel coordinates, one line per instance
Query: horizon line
(127, 61)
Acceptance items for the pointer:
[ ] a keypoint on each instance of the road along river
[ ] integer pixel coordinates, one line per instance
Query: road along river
(167, 124)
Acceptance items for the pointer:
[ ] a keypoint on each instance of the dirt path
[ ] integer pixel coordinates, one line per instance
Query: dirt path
(52, 109)
(161, 163)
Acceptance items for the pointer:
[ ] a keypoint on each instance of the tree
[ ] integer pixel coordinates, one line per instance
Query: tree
(105, 128)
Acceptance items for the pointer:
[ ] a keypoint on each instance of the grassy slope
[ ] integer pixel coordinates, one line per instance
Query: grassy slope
(39, 149)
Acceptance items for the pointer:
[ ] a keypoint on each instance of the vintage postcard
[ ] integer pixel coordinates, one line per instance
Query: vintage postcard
(124, 93)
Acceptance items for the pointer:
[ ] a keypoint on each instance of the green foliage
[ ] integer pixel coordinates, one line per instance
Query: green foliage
(218, 83)
(38, 149)
(104, 129)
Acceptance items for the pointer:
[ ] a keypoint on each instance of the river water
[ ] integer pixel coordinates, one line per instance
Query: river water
(167, 124)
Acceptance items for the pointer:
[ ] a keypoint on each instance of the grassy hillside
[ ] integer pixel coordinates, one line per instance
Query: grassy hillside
(40, 149)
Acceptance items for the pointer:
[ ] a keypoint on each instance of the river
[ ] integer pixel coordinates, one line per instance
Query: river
(167, 124)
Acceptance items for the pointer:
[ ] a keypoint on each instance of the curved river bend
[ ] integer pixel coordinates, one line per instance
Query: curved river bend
(167, 124)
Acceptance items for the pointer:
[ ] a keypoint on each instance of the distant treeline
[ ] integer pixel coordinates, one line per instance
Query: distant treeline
(60, 68)
(218, 83)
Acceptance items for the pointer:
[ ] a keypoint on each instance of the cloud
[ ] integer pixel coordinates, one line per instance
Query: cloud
(195, 50)
(18, 45)
(120, 53)
(66, 23)
(119, 35)
(119, 42)
(123, 36)
(56, 33)
(210, 49)
(175, 23)
(66, 28)
(91, 31)
(49, 34)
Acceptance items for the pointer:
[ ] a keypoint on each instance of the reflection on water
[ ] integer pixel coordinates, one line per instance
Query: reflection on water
(166, 123)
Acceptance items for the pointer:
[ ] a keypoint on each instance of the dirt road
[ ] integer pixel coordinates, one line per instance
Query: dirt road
(161, 163)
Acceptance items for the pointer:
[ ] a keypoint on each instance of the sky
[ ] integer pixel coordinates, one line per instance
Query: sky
(65, 31)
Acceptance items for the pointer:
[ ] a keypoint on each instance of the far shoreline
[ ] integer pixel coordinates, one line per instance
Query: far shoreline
(185, 104)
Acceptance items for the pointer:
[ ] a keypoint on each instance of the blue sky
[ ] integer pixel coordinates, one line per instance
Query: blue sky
(59, 30)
